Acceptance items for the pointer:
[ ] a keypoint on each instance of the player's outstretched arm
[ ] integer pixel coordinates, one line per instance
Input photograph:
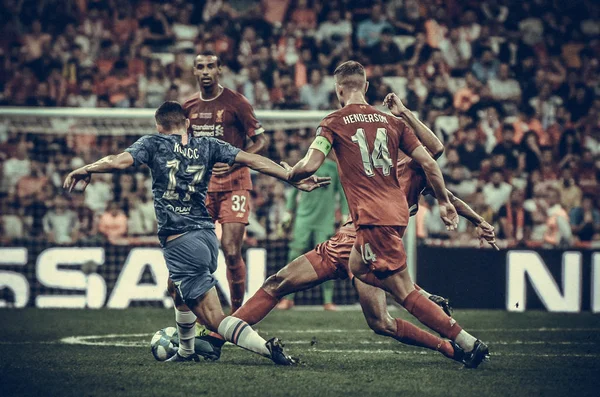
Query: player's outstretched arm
(484, 229)
(436, 180)
(104, 165)
(268, 167)
(425, 135)
(310, 163)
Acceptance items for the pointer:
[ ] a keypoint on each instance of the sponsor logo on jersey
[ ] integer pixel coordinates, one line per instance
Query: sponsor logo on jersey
(219, 118)
(208, 130)
(179, 210)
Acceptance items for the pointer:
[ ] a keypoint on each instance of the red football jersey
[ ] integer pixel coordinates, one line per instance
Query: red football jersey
(228, 117)
(367, 143)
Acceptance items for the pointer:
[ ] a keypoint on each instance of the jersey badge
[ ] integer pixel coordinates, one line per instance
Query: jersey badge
(219, 118)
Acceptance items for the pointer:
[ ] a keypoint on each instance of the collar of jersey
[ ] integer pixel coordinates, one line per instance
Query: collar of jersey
(212, 99)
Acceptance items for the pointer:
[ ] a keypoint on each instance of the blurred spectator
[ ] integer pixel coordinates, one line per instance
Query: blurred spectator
(585, 220)
(35, 43)
(439, 101)
(98, 193)
(334, 30)
(487, 67)
(497, 191)
(113, 223)
(514, 220)
(142, 218)
(154, 85)
(546, 105)
(385, 53)
(531, 155)
(31, 186)
(315, 95)
(369, 31)
(16, 167)
(504, 88)
(12, 220)
(558, 232)
(466, 97)
(570, 193)
(471, 153)
(87, 218)
(61, 225)
(303, 17)
(41, 97)
(508, 147)
(456, 50)
(86, 97)
(255, 90)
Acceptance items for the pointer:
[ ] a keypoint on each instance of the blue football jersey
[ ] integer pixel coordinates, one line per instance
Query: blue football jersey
(180, 177)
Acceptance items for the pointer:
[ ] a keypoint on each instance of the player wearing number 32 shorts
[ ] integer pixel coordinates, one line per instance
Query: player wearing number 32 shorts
(224, 114)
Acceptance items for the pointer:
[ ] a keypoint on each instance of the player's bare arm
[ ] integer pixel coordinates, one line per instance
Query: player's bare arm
(485, 231)
(424, 133)
(268, 167)
(258, 145)
(114, 162)
(310, 163)
(436, 180)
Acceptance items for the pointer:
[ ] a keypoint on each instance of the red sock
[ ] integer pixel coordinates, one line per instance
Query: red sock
(431, 315)
(236, 275)
(257, 307)
(412, 335)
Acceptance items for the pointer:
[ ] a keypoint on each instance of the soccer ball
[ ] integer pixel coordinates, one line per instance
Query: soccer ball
(162, 345)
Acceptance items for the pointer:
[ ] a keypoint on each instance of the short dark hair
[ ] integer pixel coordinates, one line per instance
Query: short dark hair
(170, 115)
(209, 53)
(347, 73)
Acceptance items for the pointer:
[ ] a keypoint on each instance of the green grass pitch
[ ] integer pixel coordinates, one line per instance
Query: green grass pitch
(106, 353)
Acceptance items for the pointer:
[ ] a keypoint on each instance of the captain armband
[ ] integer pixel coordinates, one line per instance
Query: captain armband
(322, 145)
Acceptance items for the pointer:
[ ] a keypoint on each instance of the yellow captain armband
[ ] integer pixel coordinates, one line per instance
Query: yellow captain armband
(322, 145)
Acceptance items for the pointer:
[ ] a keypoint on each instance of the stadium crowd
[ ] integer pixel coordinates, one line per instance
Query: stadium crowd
(512, 88)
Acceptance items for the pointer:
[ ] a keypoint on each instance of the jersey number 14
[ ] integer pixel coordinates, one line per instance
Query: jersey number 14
(380, 158)
(196, 170)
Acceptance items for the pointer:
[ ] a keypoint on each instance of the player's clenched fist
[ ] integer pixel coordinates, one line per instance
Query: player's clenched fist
(449, 215)
(393, 102)
(485, 231)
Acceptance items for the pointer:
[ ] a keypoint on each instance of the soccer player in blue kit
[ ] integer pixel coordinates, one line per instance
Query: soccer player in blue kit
(181, 168)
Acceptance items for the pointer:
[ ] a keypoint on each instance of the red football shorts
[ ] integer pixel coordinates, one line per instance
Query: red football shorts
(381, 248)
(330, 259)
(229, 207)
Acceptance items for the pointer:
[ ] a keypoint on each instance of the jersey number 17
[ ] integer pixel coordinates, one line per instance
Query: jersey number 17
(173, 166)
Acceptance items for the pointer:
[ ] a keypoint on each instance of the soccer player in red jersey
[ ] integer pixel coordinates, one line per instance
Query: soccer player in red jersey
(367, 144)
(219, 112)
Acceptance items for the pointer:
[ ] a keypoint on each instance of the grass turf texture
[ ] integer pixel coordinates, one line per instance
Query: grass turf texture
(533, 354)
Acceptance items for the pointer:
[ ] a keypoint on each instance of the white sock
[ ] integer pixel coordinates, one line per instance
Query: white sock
(424, 293)
(185, 327)
(465, 340)
(240, 333)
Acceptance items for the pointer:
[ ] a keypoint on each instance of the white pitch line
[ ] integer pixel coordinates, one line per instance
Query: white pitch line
(424, 352)
(392, 342)
(342, 331)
